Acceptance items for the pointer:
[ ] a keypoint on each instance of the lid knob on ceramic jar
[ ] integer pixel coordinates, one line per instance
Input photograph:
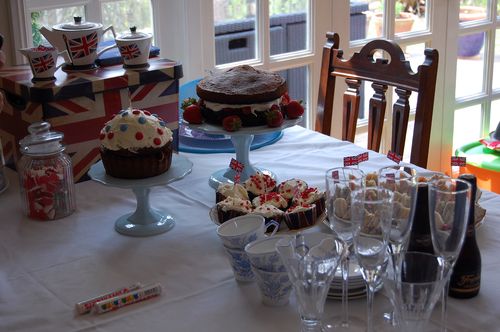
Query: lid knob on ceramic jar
(78, 19)
(133, 29)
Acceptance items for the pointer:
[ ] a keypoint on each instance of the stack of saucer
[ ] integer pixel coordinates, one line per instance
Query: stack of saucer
(356, 283)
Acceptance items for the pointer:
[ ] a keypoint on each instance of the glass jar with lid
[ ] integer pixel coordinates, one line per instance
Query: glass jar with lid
(45, 174)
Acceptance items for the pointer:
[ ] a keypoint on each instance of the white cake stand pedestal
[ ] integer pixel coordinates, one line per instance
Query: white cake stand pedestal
(241, 139)
(145, 221)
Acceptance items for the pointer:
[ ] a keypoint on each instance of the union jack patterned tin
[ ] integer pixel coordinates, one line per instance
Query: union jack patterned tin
(79, 103)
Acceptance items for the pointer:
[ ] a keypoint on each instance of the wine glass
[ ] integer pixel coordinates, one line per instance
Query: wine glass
(402, 182)
(414, 283)
(340, 182)
(311, 260)
(449, 201)
(372, 213)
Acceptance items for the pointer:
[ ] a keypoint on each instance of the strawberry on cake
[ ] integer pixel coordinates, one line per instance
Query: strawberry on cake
(242, 97)
(243, 91)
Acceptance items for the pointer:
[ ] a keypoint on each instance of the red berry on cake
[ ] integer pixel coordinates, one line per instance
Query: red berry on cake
(187, 102)
(231, 123)
(192, 114)
(274, 118)
(294, 109)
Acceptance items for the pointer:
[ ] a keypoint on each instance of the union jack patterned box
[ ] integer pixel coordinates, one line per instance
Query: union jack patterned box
(79, 103)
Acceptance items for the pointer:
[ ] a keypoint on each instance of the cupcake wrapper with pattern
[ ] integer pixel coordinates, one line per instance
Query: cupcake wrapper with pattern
(301, 219)
(224, 216)
(143, 164)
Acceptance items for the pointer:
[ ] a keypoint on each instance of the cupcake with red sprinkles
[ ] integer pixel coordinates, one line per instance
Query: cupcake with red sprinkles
(273, 198)
(289, 188)
(311, 196)
(300, 216)
(259, 184)
(232, 207)
(135, 144)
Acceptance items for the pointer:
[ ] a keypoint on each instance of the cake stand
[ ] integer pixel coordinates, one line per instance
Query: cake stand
(241, 139)
(145, 221)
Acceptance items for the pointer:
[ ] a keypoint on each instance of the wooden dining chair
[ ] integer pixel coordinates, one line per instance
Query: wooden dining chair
(391, 70)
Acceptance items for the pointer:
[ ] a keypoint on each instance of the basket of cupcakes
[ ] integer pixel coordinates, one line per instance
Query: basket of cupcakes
(292, 203)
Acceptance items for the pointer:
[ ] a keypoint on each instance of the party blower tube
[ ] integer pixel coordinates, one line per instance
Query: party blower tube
(135, 296)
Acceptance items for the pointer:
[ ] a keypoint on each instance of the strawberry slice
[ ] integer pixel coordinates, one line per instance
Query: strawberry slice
(192, 114)
(274, 118)
(231, 123)
(294, 109)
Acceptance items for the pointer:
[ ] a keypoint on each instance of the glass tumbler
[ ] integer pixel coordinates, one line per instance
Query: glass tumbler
(311, 260)
(45, 174)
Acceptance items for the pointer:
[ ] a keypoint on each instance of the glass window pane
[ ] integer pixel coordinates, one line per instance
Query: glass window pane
(470, 64)
(234, 30)
(467, 126)
(296, 79)
(375, 18)
(494, 115)
(124, 14)
(496, 65)
(51, 17)
(358, 19)
(288, 25)
(472, 10)
(410, 16)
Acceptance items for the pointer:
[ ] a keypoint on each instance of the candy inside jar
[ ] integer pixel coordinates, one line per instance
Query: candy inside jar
(45, 174)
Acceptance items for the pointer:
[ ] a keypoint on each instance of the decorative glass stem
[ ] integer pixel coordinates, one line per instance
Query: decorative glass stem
(369, 323)
(444, 305)
(345, 292)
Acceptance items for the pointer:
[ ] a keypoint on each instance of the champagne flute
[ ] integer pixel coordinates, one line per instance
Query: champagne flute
(340, 182)
(372, 213)
(449, 201)
(402, 182)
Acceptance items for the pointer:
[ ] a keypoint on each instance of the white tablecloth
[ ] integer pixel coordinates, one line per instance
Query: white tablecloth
(46, 267)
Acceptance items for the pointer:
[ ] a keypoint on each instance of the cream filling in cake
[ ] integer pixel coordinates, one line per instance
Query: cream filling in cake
(291, 187)
(259, 183)
(235, 204)
(258, 107)
(310, 195)
(230, 190)
(273, 198)
(134, 129)
(267, 211)
(300, 208)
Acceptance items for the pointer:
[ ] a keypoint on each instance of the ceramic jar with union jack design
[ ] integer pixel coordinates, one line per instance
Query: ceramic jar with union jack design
(43, 61)
(134, 48)
(80, 39)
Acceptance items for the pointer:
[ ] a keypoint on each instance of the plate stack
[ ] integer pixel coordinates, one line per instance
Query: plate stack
(356, 283)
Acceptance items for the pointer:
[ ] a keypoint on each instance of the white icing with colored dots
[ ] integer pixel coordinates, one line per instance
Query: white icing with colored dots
(134, 129)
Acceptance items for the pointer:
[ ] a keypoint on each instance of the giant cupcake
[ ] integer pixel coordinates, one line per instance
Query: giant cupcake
(135, 144)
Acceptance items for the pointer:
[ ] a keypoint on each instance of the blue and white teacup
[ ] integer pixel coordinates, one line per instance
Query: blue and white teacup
(263, 255)
(237, 232)
(275, 287)
(240, 264)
